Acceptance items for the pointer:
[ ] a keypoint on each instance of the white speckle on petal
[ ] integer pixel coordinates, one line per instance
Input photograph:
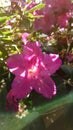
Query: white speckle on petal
(13, 69)
(55, 57)
(39, 89)
(22, 74)
(31, 87)
(54, 93)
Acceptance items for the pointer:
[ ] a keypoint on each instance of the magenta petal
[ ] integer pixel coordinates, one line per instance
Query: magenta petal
(16, 64)
(45, 24)
(25, 37)
(59, 6)
(45, 86)
(63, 20)
(30, 49)
(12, 103)
(51, 62)
(21, 87)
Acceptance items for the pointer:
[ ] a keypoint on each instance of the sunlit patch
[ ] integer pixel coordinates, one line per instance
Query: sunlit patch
(49, 6)
(22, 74)
(5, 3)
(14, 69)
(55, 57)
(30, 57)
(42, 64)
(55, 90)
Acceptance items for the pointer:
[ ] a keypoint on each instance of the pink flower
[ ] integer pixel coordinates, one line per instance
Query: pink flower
(25, 37)
(45, 23)
(32, 69)
(47, 20)
(54, 12)
(63, 19)
(59, 6)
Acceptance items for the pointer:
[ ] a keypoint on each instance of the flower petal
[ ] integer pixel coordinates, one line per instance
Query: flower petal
(45, 86)
(21, 87)
(16, 64)
(30, 49)
(25, 37)
(51, 62)
(12, 103)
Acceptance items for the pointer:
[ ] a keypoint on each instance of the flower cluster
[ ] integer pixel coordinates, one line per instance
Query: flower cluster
(36, 40)
(55, 13)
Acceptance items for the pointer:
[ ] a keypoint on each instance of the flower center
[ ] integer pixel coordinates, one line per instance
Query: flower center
(32, 71)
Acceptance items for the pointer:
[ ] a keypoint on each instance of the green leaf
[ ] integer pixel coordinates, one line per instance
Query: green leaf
(3, 52)
(37, 7)
(3, 19)
(10, 121)
(31, 17)
(68, 70)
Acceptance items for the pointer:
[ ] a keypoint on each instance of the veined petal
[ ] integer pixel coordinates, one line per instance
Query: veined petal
(12, 103)
(21, 87)
(16, 64)
(32, 48)
(45, 86)
(51, 62)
